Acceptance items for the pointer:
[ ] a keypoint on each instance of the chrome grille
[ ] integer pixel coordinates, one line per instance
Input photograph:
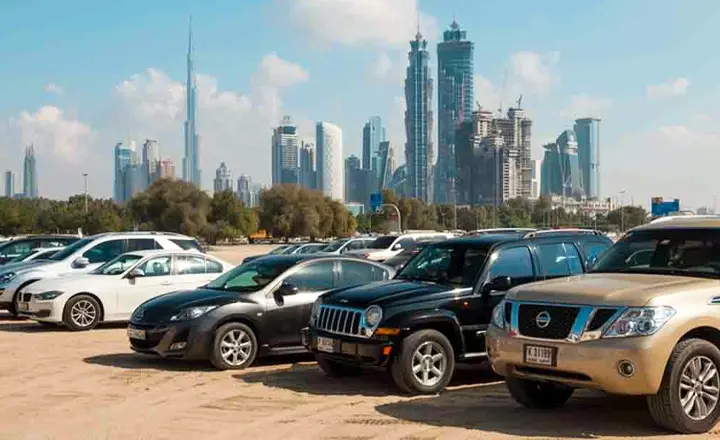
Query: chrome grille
(569, 322)
(340, 320)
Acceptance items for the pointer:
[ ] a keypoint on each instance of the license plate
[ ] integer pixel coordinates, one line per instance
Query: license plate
(325, 344)
(23, 307)
(135, 333)
(540, 355)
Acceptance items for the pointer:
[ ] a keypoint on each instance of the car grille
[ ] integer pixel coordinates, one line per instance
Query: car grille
(601, 317)
(561, 321)
(339, 320)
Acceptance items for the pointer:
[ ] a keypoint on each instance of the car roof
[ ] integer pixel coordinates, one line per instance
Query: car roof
(297, 258)
(149, 252)
(682, 221)
(498, 238)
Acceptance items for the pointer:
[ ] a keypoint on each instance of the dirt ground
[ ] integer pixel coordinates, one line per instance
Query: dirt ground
(60, 385)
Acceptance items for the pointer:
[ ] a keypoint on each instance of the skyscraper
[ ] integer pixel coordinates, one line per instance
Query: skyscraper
(455, 104)
(164, 169)
(284, 152)
(373, 134)
(588, 139)
(133, 176)
(419, 155)
(223, 179)
(9, 184)
(244, 190)
(307, 176)
(191, 161)
(30, 178)
(352, 163)
(329, 160)
(561, 173)
(122, 155)
(516, 130)
(150, 160)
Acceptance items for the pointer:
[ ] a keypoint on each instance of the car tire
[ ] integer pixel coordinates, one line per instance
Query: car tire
(235, 347)
(422, 354)
(538, 395)
(82, 312)
(333, 368)
(692, 363)
(12, 307)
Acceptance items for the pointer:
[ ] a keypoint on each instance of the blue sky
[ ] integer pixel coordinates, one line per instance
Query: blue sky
(78, 76)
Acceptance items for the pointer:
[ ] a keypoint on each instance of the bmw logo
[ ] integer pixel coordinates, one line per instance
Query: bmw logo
(542, 319)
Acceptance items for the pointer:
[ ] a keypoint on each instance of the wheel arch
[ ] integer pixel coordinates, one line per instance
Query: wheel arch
(445, 323)
(242, 319)
(708, 333)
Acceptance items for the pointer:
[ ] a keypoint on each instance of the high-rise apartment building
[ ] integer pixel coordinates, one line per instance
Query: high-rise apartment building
(133, 175)
(385, 165)
(561, 174)
(329, 160)
(284, 152)
(223, 179)
(588, 140)
(245, 190)
(122, 157)
(455, 104)
(374, 133)
(30, 177)
(150, 160)
(9, 184)
(352, 163)
(536, 178)
(191, 161)
(164, 169)
(307, 175)
(516, 130)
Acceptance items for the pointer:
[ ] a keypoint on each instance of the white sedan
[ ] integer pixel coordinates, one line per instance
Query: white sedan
(113, 291)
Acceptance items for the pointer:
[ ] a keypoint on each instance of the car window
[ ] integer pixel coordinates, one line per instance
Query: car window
(213, 266)
(573, 259)
(16, 249)
(141, 244)
(314, 277)
(118, 265)
(53, 243)
(453, 264)
(515, 262)
(157, 266)
(190, 264)
(355, 245)
(405, 243)
(187, 245)
(593, 251)
(553, 260)
(353, 273)
(105, 251)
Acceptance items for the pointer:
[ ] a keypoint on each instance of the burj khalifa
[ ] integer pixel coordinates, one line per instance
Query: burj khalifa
(191, 160)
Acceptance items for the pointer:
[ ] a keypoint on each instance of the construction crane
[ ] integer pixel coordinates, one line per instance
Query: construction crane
(519, 102)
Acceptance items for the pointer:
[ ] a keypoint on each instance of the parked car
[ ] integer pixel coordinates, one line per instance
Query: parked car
(35, 254)
(83, 256)
(309, 248)
(436, 310)
(634, 326)
(343, 245)
(292, 249)
(257, 309)
(113, 291)
(22, 245)
(388, 246)
(398, 261)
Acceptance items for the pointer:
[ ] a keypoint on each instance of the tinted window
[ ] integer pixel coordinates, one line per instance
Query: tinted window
(56, 242)
(21, 247)
(406, 243)
(353, 273)
(554, 261)
(187, 245)
(335, 245)
(117, 265)
(382, 242)
(593, 250)
(250, 277)
(190, 264)
(68, 251)
(454, 264)
(105, 251)
(355, 245)
(314, 277)
(141, 244)
(157, 266)
(573, 259)
(213, 266)
(515, 263)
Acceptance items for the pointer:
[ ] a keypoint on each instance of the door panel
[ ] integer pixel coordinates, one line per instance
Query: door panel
(157, 280)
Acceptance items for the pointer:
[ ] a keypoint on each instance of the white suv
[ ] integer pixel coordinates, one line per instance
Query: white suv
(389, 246)
(84, 256)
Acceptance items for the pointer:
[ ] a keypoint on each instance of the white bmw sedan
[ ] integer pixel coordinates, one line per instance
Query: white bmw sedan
(113, 291)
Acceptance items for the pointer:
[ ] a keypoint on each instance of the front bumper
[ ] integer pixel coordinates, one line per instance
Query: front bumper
(159, 340)
(589, 364)
(44, 311)
(366, 353)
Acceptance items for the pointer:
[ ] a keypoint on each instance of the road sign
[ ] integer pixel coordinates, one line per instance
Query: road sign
(660, 207)
(376, 201)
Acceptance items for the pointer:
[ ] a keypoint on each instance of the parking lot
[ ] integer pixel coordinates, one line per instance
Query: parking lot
(60, 385)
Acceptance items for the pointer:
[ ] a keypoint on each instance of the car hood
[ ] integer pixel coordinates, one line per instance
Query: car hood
(23, 265)
(162, 307)
(385, 293)
(612, 289)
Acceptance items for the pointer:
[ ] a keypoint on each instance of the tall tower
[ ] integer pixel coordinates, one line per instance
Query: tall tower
(30, 178)
(419, 155)
(329, 160)
(455, 104)
(588, 139)
(191, 160)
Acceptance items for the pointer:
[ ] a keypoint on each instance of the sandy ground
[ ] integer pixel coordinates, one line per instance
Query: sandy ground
(60, 385)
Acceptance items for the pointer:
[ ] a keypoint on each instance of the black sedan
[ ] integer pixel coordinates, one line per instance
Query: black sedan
(256, 309)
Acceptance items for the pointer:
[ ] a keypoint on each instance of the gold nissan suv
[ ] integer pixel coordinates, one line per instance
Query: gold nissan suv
(644, 321)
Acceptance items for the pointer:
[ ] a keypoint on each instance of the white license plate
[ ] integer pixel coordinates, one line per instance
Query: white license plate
(135, 333)
(539, 355)
(325, 344)
(23, 307)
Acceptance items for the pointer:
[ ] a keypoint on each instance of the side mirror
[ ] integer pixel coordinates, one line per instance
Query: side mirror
(397, 247)
(498, 284)
(135, 273)
(81, 263)
(287, 289)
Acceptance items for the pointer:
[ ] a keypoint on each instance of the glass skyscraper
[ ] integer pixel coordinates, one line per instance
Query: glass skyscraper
(191, 161)
(455, 104)
(285, 153)
(560, 172)
(588, 139)
(123, 156)
(373, 134)
(419, 155)
(9, 184)
(30, 178)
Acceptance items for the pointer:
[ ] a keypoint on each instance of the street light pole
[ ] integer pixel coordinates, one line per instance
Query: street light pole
(398, 214)
(622, 210)
(85, 176)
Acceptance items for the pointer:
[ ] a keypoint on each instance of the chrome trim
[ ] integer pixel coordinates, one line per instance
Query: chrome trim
(332, 315)
(715, 300)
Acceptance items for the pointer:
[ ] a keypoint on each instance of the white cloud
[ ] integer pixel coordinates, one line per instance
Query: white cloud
(533, 72)
(55, 89)
(382, 65)
(380, 23)
(53, 132)
(675, 87)
(584, 106)
(486, 93)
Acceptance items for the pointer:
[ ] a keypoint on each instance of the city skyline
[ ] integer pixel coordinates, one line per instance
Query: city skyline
(81, 108)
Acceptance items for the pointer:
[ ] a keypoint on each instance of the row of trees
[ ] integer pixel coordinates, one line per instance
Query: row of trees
(285, 211)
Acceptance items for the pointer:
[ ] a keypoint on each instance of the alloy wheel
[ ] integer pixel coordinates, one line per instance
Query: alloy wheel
(83, 313)
(699, 387)
(236, 347)
(429, 363)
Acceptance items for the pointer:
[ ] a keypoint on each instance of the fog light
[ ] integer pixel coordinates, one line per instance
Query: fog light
(626, 368)
(178, 346)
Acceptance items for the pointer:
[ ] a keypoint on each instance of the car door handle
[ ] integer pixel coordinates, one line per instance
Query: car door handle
(166, 283)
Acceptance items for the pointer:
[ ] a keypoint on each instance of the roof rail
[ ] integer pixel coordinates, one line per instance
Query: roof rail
(498, 231)
(562, 231)
(684, 217)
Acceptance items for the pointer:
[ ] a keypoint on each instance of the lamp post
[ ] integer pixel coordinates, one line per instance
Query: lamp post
(397, 210)
(85, 176)
(621, 193)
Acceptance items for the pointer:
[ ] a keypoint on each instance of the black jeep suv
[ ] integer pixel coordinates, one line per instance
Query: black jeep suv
(435, 311)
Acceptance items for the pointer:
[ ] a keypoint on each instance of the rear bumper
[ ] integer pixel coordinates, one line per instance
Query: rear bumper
(365, 353)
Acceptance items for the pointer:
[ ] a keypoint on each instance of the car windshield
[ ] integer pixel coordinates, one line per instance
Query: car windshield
(336, 245)
(24, 256)
(118, 265)
(382, 242)
(252, 276)
(278, 250)
(68, 251)
(453, 264)
(690, 252)
(288, 250)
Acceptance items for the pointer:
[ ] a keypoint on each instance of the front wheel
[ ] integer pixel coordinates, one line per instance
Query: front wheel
(425, 363)
(82, 312)
(538, 395)
(235, 347)
(687, 401)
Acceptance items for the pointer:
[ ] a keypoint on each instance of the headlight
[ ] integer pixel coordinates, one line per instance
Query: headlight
(498, 315)
(315, 311)
(372, 316)
(49, 295)
(639, 321)
(191, 313)
(7, 277)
